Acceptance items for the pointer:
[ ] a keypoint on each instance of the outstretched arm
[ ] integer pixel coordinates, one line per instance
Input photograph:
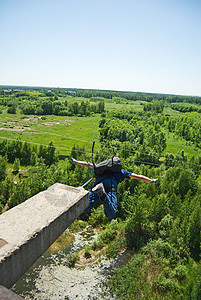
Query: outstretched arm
(143, 178)
(82, 163)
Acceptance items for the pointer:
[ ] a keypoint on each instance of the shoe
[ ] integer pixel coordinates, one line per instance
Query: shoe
(155, 181)
(99, 189)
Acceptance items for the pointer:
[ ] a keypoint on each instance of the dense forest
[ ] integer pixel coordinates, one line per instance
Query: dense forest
(42, 104)
(159, 225)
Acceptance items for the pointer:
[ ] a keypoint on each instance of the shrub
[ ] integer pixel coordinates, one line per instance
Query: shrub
(165, 284)
(114, 247)
(162, 251)
(87, 253)
(72, 258)
(98, 216)
(127, 283)
(180, 272)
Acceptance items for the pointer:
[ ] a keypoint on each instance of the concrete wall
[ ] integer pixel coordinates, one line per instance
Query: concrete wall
(27, 230)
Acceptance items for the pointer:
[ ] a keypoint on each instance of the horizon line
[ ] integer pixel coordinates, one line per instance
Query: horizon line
(95, 89)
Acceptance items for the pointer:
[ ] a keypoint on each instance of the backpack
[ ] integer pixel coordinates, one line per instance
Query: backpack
(107, 166)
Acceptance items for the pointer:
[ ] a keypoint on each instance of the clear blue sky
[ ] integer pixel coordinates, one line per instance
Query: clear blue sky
(143, 45)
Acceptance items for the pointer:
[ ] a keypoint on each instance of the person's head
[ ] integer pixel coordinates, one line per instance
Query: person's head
(117, 158)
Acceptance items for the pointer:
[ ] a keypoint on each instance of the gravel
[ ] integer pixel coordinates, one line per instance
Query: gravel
(57, 282)
(53, 279)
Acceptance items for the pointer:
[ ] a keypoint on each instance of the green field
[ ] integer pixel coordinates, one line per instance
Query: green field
(65, 132)
(176, 144)
(128, 105)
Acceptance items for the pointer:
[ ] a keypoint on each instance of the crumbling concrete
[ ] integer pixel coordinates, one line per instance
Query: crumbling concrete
(27, 230)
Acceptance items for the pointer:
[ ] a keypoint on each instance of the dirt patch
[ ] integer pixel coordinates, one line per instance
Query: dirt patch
(6, 207)
(23, 124)
(14, 129)
(58, 122)
(51, 123)
(95, 258)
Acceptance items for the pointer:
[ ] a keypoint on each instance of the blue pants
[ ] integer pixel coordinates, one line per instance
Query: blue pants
(110, 204)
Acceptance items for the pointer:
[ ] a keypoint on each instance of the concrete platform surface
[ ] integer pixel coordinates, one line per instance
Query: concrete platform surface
(46, 214)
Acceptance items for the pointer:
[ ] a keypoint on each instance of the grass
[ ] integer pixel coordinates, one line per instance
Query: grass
(129, 105)
(171, 112)
(176, 144)
(63, 131)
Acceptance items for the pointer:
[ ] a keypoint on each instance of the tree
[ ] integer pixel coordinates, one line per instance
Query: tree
(47, 107)
(3, 163)
(29, 109)
(159, 207)
(186, 182)
(14, 150)
(101, 107)
(50, 157)
(12, 109)
(26, 154)
(194, 235)
(7, 187)
(16, 166)
(20, 194)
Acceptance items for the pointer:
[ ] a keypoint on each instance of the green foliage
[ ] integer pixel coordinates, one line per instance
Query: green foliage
(137, 228)
(116, 245)
(162, 222)
(3, 167)
(72, 258)
(180, 272)
(12, 109)
(97, 216)
(127, 283)
(134, 134)
(194, 235)
(16, 165)
(186, 182)
(156, 106)
(87, 253)
(6, 190)
(27, 154)
(54, 106)
(77, 226)
(162, 251)
(193, 282)
(165, 226)
(159, 207)
(184, 107)
(20, 194)
(1, 207)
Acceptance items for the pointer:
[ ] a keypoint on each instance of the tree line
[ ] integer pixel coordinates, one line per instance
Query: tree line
(51, 106)
(59, 108)
(106, 94)
(185, 108)
(27, 153)
(136, 96)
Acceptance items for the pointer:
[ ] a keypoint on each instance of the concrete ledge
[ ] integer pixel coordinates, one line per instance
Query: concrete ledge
(6, 294)
(27, 230)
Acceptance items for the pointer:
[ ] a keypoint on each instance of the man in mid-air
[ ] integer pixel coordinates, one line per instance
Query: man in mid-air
(105, 186)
